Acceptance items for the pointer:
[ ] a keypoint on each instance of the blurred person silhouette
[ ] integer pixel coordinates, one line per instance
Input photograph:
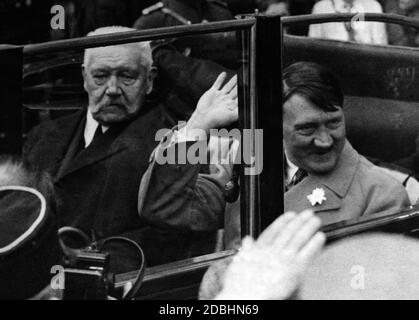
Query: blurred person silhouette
(355, 31)
(374, 266)
(399, 35)
(94, 14)
(188, 65)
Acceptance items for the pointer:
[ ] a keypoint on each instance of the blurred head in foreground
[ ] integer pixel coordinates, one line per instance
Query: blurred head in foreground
(365, 267)
(28, 232)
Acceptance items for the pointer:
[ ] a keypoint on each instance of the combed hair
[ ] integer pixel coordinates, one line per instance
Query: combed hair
(315, 83)
(142, 47)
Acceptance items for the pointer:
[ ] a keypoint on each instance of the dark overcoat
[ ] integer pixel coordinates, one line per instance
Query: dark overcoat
(97, 188)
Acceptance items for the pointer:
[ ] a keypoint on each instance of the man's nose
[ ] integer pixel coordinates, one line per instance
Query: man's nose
(323, 139)
(113, 86)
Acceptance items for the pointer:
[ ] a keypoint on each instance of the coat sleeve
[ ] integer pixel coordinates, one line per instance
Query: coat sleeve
(179, 196)
(189, 76)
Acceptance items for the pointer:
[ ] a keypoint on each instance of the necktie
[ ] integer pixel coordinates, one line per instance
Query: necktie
(97, 135)
(296, 179)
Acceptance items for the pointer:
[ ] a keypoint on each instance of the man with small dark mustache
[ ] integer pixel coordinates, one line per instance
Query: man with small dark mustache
(323, 171)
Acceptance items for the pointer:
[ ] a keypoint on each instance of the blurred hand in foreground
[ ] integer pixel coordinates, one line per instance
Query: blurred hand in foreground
(272, 266)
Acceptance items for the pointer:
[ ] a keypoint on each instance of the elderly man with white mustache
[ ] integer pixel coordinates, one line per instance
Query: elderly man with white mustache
(98, 155)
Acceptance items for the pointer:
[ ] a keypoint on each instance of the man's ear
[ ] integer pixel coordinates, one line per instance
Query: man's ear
(150, 80)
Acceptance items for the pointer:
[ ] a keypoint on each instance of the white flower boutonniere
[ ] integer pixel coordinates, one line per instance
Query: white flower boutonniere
(317, 196)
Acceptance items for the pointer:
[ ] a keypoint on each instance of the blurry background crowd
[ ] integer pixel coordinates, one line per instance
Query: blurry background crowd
(28, 21)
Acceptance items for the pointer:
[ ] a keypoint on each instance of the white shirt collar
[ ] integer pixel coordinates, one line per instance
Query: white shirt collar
(90, 129)
(291, 168)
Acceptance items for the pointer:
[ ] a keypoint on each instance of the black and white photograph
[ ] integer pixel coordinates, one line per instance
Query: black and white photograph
(216, 152)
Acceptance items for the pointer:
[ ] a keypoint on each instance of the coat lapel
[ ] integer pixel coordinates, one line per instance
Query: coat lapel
(296, 199)
(73, 147)
(55, 144)
(335, 185)
(115, 140)
(108, 145)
